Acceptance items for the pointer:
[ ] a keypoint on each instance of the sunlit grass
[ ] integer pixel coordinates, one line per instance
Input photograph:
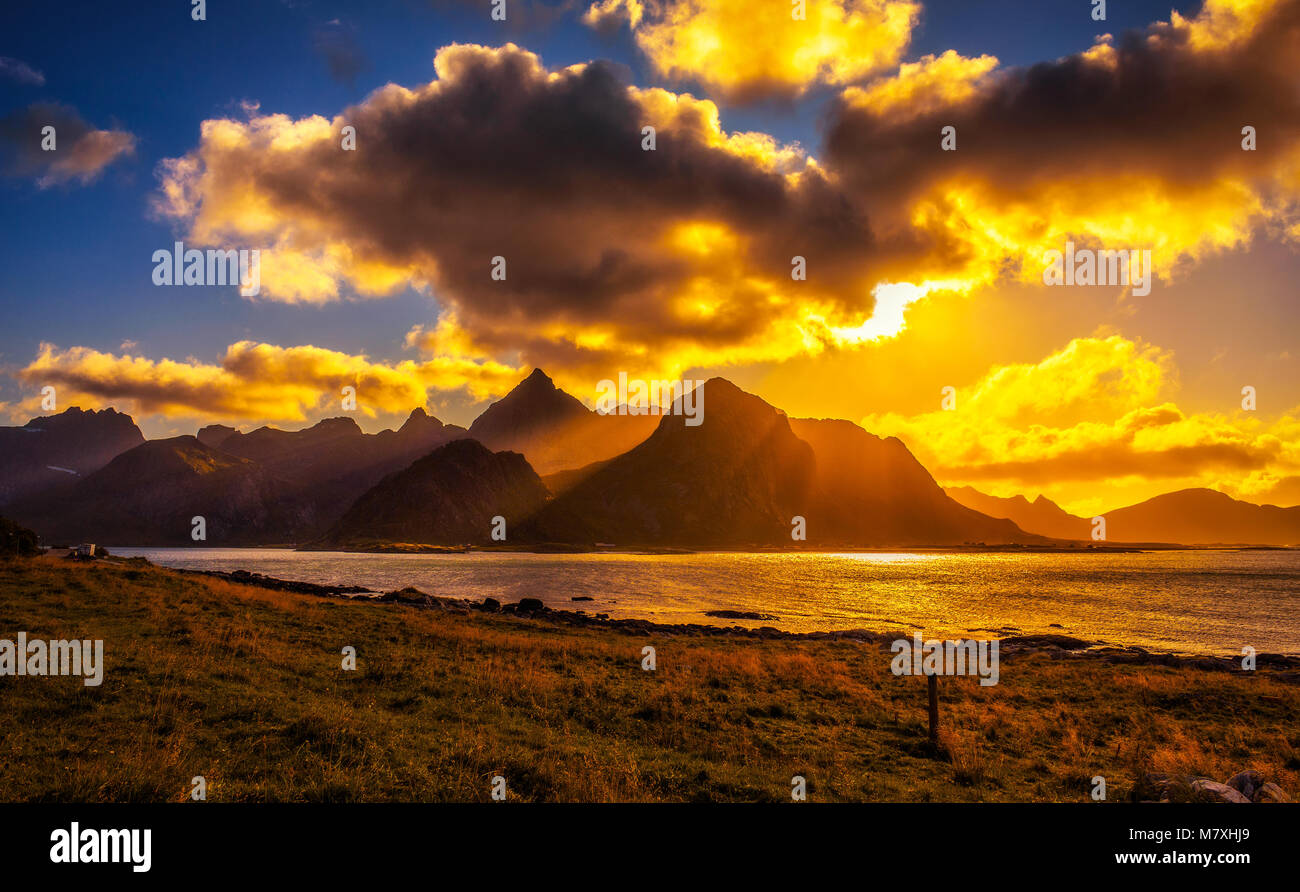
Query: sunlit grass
(243, 686)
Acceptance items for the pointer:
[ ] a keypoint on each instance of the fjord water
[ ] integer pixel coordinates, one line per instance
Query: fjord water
(1185, 601)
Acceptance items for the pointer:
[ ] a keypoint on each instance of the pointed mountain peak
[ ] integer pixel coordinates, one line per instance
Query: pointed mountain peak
(535, 402)
(420, 420)
(537, 381)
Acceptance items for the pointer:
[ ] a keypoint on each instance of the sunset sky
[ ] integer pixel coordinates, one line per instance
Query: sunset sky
(775, 138)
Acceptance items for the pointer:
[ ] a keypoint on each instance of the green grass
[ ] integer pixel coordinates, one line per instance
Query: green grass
(243, 686)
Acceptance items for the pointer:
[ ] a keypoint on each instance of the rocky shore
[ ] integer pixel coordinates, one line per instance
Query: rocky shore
(1280, 667)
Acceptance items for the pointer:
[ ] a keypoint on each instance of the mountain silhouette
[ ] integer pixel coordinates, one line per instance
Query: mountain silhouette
(1203, 517)
(737, 478)
(872, 491)
(268, 486)
(740, 478)
(149, 495)
(553, 429)
(1042, 515)
(53, 453)
(333, 460)
(746, 473)
(448, 497)
(1186, 517)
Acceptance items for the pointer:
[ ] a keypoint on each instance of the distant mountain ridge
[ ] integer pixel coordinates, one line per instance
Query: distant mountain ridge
(334, 459)
(1042, 515)
(284, 486)
(745, 477)
(1204, 517)
(1187, 517)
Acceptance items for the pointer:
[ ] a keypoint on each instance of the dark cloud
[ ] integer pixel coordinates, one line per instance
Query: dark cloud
(500, 157)
(1164, 102)
(80, 152)
(685, 251)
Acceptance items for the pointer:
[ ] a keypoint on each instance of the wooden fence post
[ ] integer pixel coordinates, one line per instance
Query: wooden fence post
(932, 682)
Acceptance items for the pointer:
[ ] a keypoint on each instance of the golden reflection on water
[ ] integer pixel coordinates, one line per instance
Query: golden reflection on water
(1195, 601)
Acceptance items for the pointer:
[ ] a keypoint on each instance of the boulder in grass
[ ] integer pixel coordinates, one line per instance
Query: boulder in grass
(1270, 792)
(1246, 782)
(1213, 791)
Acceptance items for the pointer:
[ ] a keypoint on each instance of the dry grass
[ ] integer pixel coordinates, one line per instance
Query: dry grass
(243, 686)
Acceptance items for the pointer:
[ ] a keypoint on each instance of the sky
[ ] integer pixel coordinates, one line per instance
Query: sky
(922, 312)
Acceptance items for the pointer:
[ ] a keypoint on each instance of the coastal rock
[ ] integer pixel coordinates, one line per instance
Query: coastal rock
(490, 605)
(408, 595)
(1246, 782)
(1064, 642)
(1270, 792)
(528, 605)
(738, 614)
(1213, 791)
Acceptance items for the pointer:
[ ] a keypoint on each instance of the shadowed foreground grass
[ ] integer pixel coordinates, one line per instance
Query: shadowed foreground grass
(243, 686)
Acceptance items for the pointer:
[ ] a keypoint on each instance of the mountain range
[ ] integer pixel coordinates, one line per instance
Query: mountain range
(554, 472)
(1186, 517)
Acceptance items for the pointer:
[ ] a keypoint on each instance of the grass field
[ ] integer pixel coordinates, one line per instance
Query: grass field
(244, 686)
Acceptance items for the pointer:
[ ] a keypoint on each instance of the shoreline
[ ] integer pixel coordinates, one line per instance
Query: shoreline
(416, 549)
(1283, 667)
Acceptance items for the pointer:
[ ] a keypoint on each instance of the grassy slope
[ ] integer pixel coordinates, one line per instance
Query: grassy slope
(243, 685)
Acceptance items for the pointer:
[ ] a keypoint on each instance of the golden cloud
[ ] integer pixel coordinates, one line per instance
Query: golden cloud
(921, 87)
(740, 49)
(669, 258)
(1095, 411)
(1136, 144)
(659, 261)
(256, 381)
